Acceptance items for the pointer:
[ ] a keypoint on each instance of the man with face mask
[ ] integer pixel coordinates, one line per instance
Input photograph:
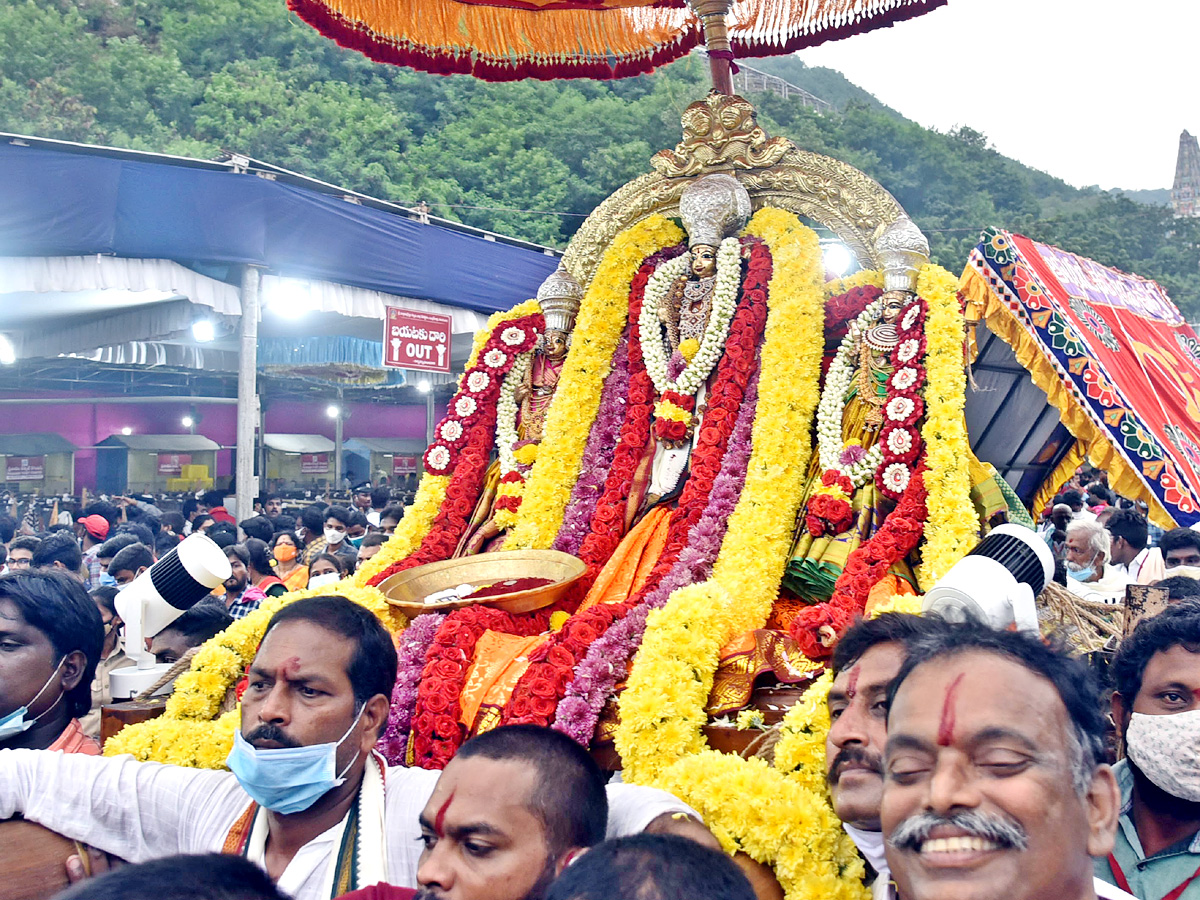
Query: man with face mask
(307, 797)
(1157, 710)
(337, 527)
(1088, 554)
(50, 637)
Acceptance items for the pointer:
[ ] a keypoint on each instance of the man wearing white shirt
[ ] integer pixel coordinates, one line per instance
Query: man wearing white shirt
(1131, 557)
(304, 772)
(1089, 574)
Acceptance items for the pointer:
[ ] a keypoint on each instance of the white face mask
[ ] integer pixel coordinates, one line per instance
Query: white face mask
(321, 580)
(1167, 750)
(333, 536)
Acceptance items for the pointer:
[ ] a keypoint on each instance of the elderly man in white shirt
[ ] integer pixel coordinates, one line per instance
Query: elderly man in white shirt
(1089, 574)
(304, 773)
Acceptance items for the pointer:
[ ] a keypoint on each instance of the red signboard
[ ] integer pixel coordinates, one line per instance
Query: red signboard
(24, 468)
(314, 463)
(416, 340)
(404, 465)
(173, 463)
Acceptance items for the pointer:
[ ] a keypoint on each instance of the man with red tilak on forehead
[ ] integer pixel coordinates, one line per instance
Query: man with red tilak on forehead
(307, 798)
(994, 781)
(865, 661)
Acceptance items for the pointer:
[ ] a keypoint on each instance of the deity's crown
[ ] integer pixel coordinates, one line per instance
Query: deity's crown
(559, 297)
(902, 250)
(712, 208)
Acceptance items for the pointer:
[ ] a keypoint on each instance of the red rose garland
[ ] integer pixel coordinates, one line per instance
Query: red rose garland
(553, 665)
(436, 730)
(464, 439)
(894, 540)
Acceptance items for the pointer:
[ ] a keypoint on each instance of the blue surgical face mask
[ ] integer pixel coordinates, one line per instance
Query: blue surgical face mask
(15, 722)
(1081, 573)
(288, 780)
(107, 580)
(356, 541)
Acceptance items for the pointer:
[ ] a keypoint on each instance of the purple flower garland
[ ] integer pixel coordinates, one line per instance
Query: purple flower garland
(603, 438)
(607, 661)
(597, 453)
(414, 643)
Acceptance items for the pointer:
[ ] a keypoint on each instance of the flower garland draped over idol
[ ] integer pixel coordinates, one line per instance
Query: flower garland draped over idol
(780, 815)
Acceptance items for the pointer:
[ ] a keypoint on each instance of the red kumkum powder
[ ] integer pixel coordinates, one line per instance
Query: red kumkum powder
(512, 586)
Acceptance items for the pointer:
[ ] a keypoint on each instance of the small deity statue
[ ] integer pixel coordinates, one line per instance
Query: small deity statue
(559, 296)
(859, 378)
(689, 303)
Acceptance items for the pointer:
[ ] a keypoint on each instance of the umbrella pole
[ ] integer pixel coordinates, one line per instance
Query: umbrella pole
(716, 41)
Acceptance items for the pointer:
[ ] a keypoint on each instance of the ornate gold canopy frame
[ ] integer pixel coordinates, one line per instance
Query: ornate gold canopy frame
(721, 134)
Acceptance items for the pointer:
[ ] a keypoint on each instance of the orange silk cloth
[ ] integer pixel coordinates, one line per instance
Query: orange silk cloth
(73, 740)
(501, 659)
(627, 569)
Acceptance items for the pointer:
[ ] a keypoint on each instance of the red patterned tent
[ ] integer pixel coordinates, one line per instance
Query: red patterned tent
(506, 40)
(1111, 352)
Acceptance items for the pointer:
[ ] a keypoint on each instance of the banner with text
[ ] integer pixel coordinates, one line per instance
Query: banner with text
(416, 340)
(404, 465)
(24, 468)
(173, 463)
(314, 463)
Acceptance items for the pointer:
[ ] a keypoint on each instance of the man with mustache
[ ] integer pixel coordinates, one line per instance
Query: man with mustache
(995, 786)
(865, 661)
(308, 799)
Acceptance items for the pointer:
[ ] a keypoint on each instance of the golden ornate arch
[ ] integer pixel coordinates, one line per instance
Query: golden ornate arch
(721, 134)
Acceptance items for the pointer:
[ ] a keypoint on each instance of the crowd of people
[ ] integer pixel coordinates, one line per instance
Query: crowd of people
(1103, 543)
(965, 763)
(68, 571)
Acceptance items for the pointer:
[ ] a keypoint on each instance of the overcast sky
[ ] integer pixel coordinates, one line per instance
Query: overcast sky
(1092, 91)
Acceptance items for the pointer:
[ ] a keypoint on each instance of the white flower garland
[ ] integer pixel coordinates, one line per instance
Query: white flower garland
(833, 400)
(506, 412)
(729, 272)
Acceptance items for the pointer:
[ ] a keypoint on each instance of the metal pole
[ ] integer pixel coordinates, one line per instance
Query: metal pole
(337, 442)
(247, 401)
(429, 423)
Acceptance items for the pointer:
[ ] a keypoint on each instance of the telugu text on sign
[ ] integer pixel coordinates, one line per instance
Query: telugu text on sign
(416, 340)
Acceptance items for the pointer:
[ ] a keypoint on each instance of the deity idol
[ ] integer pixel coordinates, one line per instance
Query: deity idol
(519, 434)
(692, 298)
(844, 505)
(559, 297)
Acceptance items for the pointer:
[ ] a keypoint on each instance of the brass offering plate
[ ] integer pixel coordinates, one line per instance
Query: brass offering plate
(406, 590)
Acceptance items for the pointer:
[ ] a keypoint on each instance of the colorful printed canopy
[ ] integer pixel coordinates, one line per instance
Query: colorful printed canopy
(505, 40)
(1111, 352)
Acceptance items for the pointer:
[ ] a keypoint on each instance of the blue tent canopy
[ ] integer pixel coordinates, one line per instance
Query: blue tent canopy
(62, 203)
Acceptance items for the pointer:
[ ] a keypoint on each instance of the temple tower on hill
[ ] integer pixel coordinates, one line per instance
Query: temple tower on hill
(1185, 193)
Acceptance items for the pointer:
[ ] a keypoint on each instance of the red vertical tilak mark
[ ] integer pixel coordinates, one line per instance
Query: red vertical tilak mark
(440, 819)
(945, 735)
(852, 683)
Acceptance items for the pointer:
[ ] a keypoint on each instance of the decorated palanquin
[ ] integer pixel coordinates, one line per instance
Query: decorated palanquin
(1114, 357)
(745, 456)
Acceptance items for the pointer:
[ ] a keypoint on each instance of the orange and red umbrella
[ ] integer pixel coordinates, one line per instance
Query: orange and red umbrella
(506, 40)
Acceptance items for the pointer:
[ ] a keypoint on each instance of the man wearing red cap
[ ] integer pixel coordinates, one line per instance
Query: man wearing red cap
(93, 531)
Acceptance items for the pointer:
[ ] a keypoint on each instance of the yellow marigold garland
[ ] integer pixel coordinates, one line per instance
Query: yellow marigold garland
(411, 530)
(952, 527)
(662, 708)
(838, 286)
(800, 752)
(597, 331)
(778, 820)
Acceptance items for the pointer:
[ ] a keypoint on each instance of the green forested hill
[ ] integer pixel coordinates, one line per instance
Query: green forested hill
(530, 159)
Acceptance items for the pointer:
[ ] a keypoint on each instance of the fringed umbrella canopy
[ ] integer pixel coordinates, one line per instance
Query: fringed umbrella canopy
(506, 40)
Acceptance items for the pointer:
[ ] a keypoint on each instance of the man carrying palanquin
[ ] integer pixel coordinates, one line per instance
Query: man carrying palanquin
(307, 798)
